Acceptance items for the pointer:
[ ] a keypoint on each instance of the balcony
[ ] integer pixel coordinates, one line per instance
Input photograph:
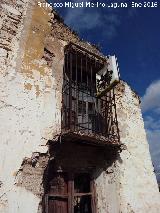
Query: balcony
(86, 117)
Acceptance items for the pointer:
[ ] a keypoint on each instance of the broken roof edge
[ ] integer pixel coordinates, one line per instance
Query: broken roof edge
(83, 50)
(57, 15)
(73, 37)
(135, 93)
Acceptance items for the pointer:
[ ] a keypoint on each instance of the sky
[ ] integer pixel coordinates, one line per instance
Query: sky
(133, 35)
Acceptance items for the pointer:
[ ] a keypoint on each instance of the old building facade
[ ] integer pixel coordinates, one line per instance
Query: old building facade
(62, 147)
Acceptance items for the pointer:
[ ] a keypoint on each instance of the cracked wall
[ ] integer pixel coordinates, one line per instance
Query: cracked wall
(32, 42)
(31, 66)
(136, 181)
(129, 185)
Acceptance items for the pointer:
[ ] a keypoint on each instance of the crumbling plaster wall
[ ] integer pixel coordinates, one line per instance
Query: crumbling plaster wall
(129, 185)
(107, 200)
(31, 63)
(31, 66)
(137, 185)
(32, 45)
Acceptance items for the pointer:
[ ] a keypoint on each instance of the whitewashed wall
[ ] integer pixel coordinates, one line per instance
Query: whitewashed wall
(30, 97)
(30, 115)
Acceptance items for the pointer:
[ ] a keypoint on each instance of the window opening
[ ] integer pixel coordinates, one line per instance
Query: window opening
(82, 111)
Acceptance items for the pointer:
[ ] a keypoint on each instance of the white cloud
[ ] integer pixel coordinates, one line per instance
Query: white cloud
(157, 110)
(153, 137)
(151, 98)
(83, 19)
(151, 108)
(151, 123)
(152, 127)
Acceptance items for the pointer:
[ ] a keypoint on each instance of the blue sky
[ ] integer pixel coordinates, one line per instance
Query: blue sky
(134, 36)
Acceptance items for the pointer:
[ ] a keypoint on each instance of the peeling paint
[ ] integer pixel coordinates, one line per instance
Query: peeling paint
(28, 86)
(37, 90)
(34, 47)
(31, 63)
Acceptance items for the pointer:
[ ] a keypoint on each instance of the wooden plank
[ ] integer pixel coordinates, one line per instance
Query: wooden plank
(58, 195)
(93, 199)
(82, 194)
(70, 193)
(46, 203)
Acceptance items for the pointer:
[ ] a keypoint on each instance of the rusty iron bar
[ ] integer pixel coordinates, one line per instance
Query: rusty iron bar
(79, 77)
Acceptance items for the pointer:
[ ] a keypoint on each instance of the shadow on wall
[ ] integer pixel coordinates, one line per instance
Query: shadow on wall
(67, 159)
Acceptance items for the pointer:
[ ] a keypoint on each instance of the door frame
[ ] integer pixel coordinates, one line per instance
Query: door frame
(71, 194)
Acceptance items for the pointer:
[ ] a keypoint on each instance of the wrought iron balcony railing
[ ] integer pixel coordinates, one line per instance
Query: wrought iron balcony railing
(83, 114)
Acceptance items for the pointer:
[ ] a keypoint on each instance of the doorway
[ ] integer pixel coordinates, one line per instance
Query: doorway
(69, 179)
(70, 193)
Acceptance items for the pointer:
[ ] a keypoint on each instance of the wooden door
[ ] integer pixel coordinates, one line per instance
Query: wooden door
(57, 205)
(70, 193)
(58, 194)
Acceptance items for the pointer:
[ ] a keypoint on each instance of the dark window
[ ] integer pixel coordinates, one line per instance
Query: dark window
(82, 194)
(83, 112)
(81, 107)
